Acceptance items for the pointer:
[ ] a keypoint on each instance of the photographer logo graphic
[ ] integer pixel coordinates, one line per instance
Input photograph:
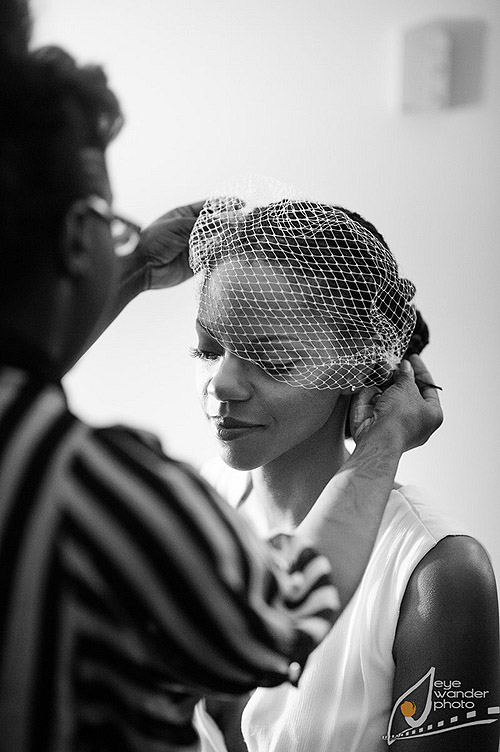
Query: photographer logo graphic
(453, 706)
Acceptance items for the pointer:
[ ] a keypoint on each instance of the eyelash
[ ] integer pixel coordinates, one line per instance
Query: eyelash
(203, 354)
(279, 369)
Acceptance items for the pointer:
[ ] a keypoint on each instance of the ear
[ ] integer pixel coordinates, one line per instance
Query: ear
(74, 251)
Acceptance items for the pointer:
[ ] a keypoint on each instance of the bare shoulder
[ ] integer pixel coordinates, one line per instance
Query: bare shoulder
(449, 620)
(459, 552)
(456, 573)
(450, 599)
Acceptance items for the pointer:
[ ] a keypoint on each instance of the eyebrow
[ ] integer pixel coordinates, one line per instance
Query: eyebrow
(271, 337)
(299, 350)
(280, 339)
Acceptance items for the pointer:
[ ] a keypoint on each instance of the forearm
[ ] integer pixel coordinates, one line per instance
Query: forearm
(133, 276)
(159, 261)
(344, 522)
(132, 281)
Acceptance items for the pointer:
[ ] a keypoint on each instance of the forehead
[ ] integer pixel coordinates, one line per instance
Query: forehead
(272, 318)
(250, 297)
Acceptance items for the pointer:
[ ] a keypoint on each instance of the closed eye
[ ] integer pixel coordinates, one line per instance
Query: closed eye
(195, 352)
(277, 368)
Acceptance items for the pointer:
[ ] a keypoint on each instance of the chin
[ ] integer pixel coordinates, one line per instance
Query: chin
(238, 460)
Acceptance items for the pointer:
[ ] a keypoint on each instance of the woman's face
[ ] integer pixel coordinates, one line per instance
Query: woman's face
(255, 418)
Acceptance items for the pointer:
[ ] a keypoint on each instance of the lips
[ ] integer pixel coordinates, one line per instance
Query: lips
(227, 428)
(232, 423)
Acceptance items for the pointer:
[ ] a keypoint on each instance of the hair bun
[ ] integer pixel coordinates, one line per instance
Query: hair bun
(420, 337)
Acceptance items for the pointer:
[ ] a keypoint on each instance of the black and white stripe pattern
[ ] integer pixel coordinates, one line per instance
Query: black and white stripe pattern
(127, 589)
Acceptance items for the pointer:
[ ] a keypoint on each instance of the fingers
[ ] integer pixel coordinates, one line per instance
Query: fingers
(361, 410)
(365, 397)
(420, 370)
(410, 412)
(425, 383)
(164, 234)
(193, 210)
(415, 367)
(188, 211)
(426, 387)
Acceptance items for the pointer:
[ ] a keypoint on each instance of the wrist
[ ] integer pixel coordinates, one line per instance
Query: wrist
(384, 438)
(133, 277)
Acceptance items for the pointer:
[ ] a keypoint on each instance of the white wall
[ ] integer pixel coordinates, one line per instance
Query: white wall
(304, 90)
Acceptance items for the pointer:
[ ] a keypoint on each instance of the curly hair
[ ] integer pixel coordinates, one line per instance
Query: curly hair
(15, 29)
(50, 109)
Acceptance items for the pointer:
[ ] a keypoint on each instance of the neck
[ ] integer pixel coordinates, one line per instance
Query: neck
(35, 328)
(288, 486)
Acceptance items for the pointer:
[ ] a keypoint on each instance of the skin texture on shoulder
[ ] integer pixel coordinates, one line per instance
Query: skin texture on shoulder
(449, 620)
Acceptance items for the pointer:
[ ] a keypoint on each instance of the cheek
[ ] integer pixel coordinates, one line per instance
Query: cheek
(307, 410)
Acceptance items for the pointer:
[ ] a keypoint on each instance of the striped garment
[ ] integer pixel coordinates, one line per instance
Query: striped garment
(127, 589)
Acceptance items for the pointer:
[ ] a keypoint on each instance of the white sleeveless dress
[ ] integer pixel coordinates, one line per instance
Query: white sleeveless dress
(344, 698)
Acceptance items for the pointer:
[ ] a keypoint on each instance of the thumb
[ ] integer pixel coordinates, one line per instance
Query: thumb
(403, 371)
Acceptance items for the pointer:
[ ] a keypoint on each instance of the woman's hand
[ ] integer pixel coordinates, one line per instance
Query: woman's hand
(160, 260)
(162, 252)
(344, 522)
(409, 408)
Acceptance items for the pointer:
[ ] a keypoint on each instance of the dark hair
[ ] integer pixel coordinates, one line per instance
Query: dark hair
(15, 29)
(318, 241)
(419, 338)
(50, 109)
(364, 223)
(257, 229)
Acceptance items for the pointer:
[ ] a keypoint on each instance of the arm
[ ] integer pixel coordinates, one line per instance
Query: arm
(449, 620)
(344, 522)
(218, 610)
(160, 260)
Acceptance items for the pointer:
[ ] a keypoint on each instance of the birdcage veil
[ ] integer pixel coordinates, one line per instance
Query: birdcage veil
(302, 289)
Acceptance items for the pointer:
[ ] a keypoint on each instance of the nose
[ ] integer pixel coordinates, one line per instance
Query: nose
(230, 381)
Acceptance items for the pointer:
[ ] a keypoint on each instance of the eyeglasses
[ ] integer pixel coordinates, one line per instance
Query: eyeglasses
(125, 233)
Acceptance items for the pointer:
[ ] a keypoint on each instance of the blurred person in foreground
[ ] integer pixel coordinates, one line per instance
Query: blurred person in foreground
(127, 588)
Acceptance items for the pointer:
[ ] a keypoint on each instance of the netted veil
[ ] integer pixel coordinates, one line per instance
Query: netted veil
(307, 291)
